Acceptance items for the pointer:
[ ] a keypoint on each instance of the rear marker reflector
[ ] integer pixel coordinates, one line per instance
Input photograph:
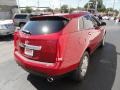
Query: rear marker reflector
(59, 59)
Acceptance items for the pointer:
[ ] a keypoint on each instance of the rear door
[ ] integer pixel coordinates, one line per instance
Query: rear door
(98, 28)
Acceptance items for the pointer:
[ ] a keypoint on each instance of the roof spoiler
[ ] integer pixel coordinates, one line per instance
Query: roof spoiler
(47, 17)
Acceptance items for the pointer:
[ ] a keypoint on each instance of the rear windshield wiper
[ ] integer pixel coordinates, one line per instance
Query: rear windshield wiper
(26, 32)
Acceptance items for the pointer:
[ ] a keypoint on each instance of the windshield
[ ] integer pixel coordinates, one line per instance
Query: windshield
(44, 26)
(20, 16)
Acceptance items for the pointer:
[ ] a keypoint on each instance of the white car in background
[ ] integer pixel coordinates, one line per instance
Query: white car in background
(6, 27)
(21, 19)
(106, 18)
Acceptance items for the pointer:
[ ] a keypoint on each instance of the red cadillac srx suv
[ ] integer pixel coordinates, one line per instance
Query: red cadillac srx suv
(54, 45)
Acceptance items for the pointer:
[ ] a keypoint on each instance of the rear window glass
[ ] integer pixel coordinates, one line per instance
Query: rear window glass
(20, 16)
(44, 26)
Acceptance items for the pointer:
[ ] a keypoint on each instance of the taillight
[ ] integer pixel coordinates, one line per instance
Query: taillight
(59, 57)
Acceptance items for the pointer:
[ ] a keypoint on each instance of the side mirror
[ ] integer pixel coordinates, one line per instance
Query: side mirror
(103, 24)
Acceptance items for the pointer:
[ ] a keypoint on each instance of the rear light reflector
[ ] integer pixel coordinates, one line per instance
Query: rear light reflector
(59, 59)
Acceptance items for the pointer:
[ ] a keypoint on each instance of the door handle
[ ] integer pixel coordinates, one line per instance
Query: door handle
(89, 33)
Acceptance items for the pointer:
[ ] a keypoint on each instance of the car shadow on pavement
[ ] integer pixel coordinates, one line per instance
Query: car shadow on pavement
(100, 76)
(6, 38)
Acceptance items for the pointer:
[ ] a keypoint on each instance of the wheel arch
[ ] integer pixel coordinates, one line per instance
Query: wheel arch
(88, 50)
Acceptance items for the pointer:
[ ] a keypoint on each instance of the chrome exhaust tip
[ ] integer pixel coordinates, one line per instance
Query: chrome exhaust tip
(50, 79)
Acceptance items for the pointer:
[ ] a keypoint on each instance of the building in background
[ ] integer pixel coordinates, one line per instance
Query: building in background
(8, 8)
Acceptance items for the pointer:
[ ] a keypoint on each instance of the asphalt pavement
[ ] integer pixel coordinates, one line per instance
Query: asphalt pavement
(103, 72)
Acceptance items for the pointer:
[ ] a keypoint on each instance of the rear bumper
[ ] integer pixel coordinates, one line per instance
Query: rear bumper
(46, 69)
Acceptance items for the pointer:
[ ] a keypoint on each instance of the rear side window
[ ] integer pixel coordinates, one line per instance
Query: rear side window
(95, 21)
(88, 23)
(44, 26)
(20, 16)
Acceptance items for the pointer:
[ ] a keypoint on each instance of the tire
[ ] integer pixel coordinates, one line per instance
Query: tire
(103, 42)
(80, 73)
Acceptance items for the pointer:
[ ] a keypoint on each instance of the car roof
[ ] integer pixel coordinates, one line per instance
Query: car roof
(75, 15)
(62, 15)
(22, 14)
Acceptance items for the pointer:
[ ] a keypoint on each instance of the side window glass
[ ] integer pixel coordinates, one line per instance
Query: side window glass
(80, 23)
(95, 21)
(88, 23)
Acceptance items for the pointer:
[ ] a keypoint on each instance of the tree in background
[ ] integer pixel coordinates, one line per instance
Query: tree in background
(27, 10)
(64, 9)
(111, 11)
(79, 8)
(48, 10)
(100, 5)
(71, 10)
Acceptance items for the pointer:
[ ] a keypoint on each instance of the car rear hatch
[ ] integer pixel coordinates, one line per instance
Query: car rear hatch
(38, 39)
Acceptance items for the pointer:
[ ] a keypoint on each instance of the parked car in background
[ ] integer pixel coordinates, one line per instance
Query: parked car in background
(21, 19)
(112, 18)
(97, 16)
(6, 27)
(118, 19)
(54, 45)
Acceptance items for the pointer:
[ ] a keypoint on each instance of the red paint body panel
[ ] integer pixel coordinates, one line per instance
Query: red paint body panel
(61, 52)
